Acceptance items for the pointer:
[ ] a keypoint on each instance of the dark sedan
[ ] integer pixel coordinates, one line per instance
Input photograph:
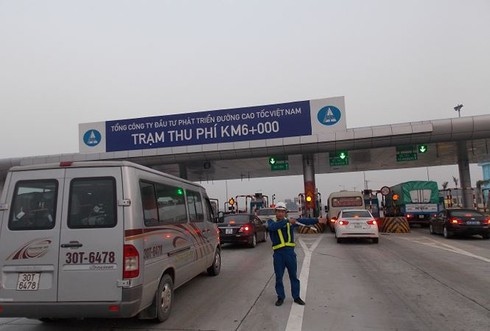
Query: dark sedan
(467, 222)
(241, 229)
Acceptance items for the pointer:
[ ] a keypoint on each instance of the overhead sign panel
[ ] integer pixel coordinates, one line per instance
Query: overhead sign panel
(410, 152)
(280, 166)
(278, 159)
(339, 158)
(292, 119)
(406, 156)
(279, 162)
(406, 153)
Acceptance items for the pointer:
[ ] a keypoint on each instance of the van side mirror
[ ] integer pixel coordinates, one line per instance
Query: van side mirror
(221, 217)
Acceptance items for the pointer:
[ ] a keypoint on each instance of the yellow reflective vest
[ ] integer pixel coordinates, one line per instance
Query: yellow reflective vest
(284, 243)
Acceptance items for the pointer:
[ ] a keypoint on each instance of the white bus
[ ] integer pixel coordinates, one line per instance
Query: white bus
(342, 200)
(101, 239)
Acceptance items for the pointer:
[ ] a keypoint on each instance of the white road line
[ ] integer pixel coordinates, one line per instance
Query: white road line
(437, 244)
(295, 320)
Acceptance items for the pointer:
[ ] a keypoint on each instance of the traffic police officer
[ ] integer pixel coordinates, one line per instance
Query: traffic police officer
(282, 237)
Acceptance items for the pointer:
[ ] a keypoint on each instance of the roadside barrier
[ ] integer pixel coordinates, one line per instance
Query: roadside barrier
(394, 225)
(313, 228)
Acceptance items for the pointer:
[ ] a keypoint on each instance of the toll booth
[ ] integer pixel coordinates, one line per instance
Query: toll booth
(371, 202)
(247, 203)
(310, 205)
(258, 201)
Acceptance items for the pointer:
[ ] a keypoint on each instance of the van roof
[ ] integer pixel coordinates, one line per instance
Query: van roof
(93, 164)
(73, 164)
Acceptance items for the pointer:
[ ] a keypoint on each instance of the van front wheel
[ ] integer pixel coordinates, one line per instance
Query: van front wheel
(164, 298)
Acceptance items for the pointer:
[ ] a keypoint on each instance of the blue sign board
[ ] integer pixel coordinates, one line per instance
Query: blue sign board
(292, 119)
(210, 127)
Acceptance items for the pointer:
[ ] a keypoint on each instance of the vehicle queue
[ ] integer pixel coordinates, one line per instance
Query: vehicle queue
(169, 206)
(413, 203)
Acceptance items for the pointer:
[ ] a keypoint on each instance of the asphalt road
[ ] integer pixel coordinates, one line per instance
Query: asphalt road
(413, 281)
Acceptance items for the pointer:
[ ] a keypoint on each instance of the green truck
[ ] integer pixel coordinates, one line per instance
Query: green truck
(418, 201)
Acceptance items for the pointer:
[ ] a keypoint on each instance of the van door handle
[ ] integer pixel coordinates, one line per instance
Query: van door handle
(72, 244)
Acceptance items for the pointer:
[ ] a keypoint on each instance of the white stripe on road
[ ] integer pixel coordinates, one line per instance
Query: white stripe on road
(437, 244)
(295, 320)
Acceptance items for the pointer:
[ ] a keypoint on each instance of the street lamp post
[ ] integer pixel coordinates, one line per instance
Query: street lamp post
(458, 109)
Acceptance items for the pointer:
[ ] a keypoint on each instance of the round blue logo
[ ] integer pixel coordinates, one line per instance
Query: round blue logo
(329, 115)
(92, 138)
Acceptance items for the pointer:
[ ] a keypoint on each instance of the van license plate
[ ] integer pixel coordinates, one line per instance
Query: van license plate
(28, 281)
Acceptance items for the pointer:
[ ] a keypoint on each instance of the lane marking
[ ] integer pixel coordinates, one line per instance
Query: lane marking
(295, 320)
(446, 247)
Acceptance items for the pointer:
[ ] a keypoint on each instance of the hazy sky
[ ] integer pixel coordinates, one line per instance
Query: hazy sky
(67, 62)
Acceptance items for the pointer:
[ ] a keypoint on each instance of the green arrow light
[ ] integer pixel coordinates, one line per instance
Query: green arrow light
(272, 160)
(343, 155)
(422, 148)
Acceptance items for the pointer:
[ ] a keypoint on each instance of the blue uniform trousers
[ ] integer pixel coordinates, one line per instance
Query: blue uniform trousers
(285, 258)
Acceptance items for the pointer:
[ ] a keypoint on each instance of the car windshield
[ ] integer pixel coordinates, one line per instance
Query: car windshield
(356, 213)
(265, 211)
(236, 219)
(466, 213)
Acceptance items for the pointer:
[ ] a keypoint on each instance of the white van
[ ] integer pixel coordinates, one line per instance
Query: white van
(340, 200)
(104, 239)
